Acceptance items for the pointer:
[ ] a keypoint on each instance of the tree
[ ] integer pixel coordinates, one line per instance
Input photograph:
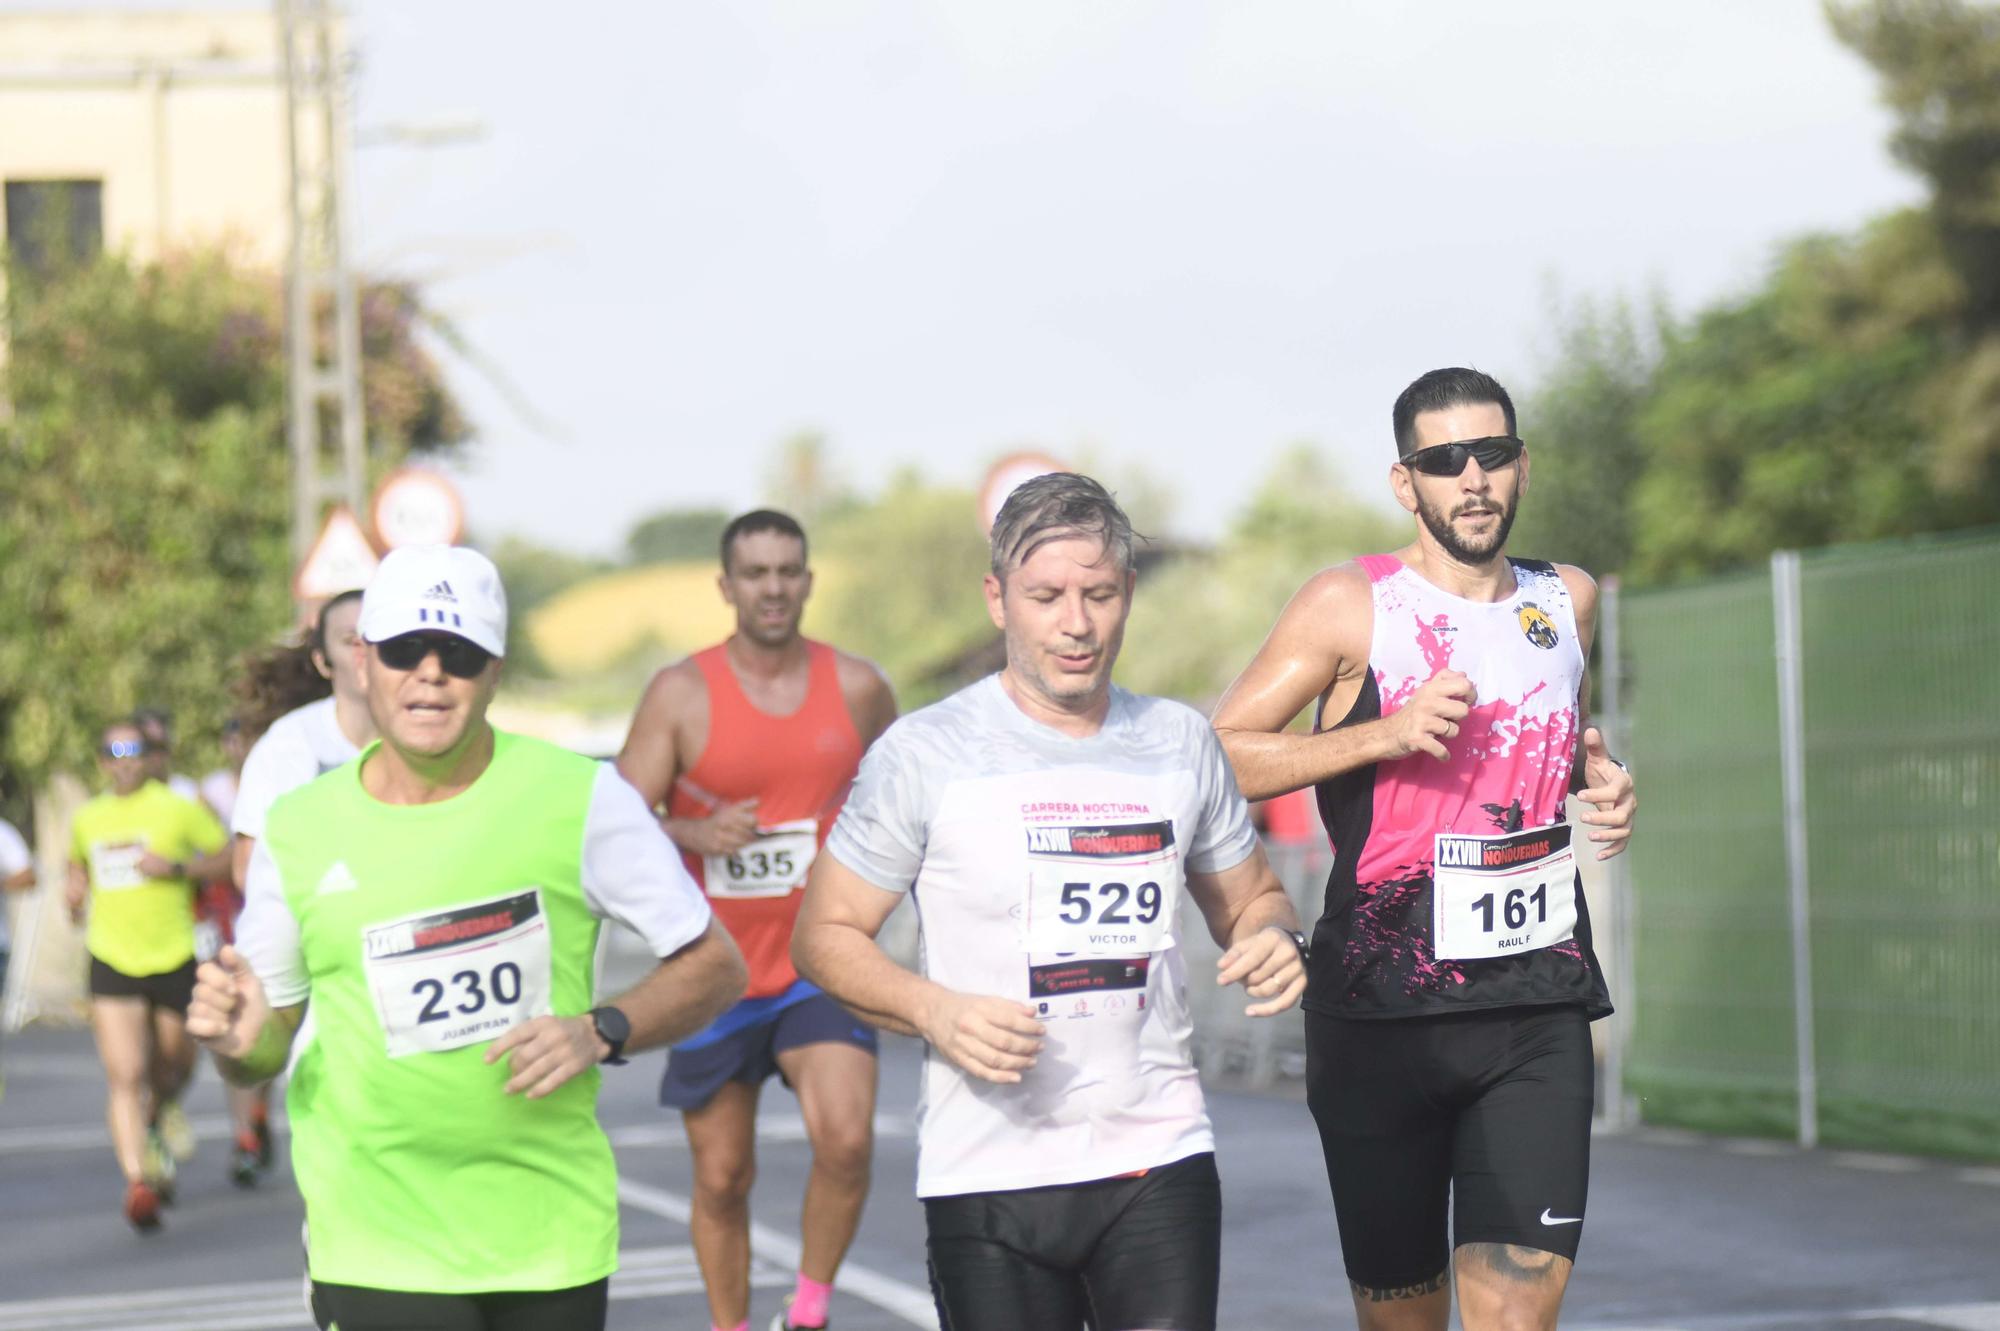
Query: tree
(144, 490)
(675, 534)
(1939, 61)
(803, 480)
(899, 578)
(1581, 421)
(1302, 518)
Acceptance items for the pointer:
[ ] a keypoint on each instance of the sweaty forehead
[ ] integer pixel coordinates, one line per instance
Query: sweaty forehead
(765, 548)
(1069, 561)
(1474, 420)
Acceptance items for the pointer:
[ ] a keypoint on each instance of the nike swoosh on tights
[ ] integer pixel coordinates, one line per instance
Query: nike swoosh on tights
(1548, 1219)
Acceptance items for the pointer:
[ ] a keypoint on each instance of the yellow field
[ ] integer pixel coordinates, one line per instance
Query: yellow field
(602, 621)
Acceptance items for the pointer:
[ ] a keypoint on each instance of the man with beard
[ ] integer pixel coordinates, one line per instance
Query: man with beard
(1452, 980)
(751, 746)
(1047, 826)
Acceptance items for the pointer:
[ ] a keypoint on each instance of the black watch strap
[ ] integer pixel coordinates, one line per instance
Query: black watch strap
(614, 1028)
(1299, 940)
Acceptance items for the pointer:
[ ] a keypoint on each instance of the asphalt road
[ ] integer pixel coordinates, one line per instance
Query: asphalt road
(1684, 1232)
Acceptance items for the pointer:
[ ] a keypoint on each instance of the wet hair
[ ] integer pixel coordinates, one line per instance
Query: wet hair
(318, 638)
(1055, 507)
(1440, 390)
(756, 520)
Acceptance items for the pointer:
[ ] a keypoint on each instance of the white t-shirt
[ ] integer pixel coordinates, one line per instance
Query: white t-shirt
(218, 792)
(631, 873)
(301, 745)
(1049, 870)
(14, 857)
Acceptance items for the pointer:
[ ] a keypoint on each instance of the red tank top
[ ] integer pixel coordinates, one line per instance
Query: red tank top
(799, 768)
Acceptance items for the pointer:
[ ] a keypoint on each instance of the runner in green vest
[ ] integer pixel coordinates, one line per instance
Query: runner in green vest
(438, 900)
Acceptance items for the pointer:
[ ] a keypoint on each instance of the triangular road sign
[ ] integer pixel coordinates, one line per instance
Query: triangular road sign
(341, 560)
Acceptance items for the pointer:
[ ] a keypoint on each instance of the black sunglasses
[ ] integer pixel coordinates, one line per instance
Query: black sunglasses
(1494, 452)
(460, 658)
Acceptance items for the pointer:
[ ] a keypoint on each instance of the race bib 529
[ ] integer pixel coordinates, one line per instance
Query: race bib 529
(1104, 890)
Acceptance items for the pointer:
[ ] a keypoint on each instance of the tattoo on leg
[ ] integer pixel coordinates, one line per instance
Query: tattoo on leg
(1363, 1294)
(1528, 1266)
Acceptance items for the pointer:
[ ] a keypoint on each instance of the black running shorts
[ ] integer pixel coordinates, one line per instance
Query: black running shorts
(357, 1308)
(172, 990)
(1125, 1253)
(1489, 1111)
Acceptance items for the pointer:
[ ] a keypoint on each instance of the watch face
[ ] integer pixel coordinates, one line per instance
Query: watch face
(612, 1025)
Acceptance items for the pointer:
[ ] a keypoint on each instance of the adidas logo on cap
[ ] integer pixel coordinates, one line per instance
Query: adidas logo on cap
(441, 592)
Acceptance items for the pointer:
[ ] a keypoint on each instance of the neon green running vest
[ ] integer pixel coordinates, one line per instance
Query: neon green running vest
(427, 930)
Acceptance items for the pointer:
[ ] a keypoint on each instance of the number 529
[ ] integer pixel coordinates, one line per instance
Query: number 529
(1109, 903)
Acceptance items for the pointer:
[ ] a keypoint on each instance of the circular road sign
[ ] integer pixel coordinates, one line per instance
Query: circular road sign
(415, 506)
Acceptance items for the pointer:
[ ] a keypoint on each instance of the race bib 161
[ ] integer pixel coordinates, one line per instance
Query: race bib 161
(1493, 896)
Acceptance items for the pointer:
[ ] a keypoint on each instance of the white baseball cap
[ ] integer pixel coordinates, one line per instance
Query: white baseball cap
(436, 589)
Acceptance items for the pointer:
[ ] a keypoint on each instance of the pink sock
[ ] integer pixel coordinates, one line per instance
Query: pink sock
(809, 1302)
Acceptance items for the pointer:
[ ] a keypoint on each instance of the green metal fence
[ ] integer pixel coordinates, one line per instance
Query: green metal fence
(1861, 961)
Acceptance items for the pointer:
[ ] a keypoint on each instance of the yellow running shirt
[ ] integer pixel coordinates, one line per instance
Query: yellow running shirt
(141, 925)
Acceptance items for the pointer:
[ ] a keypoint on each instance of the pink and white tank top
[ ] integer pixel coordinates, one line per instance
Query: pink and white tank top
(1386, 945)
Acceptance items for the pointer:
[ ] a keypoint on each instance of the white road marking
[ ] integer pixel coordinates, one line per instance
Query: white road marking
(278, 1305)
(1988, 1177)
(770, 1128)
(1877, 1163)
(893, 1296)
(1757, 1146)
(1956, 1317)
(217, 1127)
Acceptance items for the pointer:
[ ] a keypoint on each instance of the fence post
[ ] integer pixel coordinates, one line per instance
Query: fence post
(1618, 1108)
(1792, 757)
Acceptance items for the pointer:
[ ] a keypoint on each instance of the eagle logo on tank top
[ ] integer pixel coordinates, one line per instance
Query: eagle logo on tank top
(1536, 624)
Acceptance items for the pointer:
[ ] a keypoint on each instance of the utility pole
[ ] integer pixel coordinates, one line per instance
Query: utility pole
(323, 323)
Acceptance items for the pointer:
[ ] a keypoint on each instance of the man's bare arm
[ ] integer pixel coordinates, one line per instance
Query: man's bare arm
(1596, 778)
(1322, 637)
(650, 760)
(833, 945)
(678, 997)
(871, 701)
(267, 1057)
(685, 992)
(1250, 916)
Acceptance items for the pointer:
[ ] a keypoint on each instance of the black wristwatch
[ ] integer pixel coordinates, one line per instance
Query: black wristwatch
(614, 1028)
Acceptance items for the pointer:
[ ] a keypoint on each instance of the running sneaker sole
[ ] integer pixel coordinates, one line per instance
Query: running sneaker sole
(142, 1208)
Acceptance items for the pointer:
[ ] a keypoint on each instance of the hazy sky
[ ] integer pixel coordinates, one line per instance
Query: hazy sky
(1181, 234)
